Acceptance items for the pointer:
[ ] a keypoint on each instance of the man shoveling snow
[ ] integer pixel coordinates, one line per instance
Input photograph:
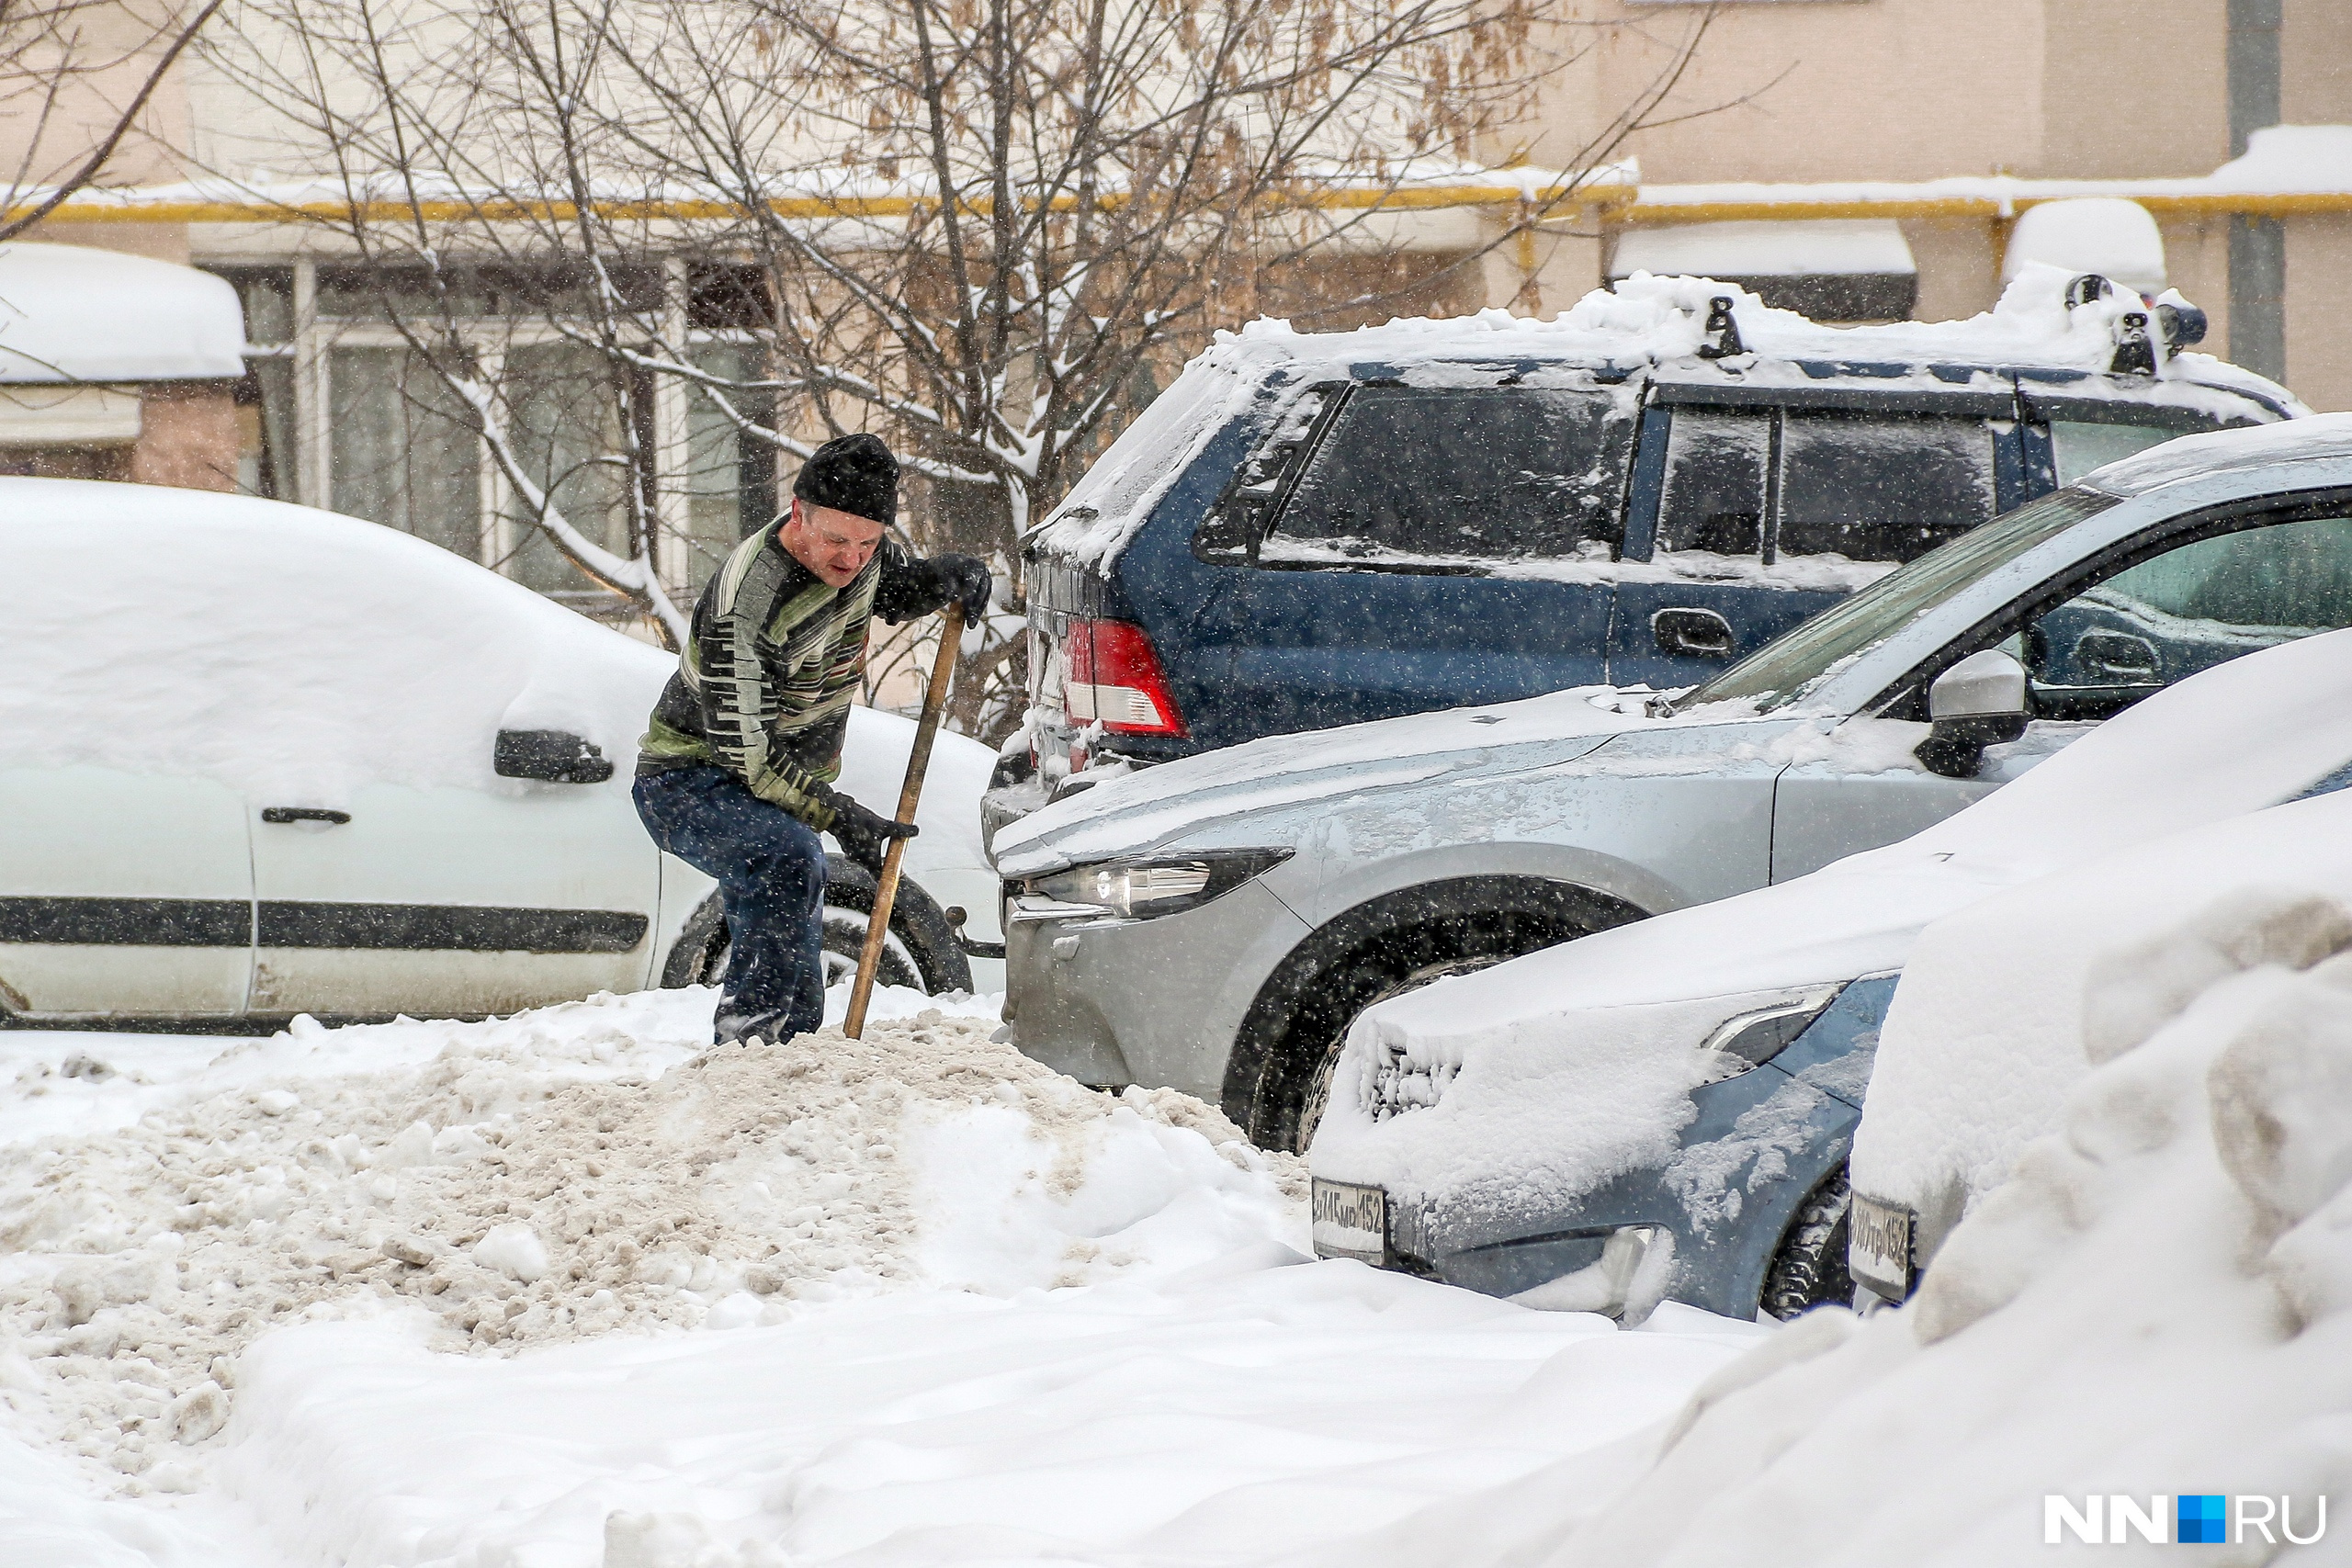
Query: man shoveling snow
(734, 775)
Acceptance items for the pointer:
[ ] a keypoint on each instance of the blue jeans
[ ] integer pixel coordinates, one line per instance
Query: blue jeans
(771, 872)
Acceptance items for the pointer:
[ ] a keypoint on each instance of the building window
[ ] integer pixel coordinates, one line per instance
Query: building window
(341, 410)
(401, 453)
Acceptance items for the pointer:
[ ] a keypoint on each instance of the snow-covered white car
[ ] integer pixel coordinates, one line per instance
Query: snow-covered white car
(1216, 922)
(1666, 1109)
(258, 760)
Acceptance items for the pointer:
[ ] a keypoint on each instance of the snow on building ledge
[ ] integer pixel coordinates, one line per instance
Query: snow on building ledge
(2288, 170)
(77, 317)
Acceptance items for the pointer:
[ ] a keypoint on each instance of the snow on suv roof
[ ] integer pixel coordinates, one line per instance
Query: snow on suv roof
(1642, 321)
(1647, 319)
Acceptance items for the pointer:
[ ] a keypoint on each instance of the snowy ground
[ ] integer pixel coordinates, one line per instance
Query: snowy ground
(564, 1291)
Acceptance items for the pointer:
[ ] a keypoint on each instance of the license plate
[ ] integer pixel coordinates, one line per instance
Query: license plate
(1877, 1246)
(1351, 1220)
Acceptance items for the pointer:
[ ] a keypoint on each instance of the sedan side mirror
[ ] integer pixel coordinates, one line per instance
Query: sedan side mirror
(556, 756)
(1977, 703)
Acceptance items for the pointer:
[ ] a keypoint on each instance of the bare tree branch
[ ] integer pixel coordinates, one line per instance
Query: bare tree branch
(984, 227)
(43, 54)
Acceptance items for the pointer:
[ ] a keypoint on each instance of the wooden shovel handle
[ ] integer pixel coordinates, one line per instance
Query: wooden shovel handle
(886, 891)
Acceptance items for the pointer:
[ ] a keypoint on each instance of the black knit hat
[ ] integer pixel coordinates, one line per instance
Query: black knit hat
(854, 474)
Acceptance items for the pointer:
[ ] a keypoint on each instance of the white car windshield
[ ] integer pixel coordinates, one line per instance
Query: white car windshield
(1785, 669)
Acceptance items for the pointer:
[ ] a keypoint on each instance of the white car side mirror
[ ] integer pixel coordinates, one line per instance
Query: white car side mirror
(1979, 702)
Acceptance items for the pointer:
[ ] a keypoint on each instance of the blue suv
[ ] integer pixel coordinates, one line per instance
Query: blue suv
(1309, 530)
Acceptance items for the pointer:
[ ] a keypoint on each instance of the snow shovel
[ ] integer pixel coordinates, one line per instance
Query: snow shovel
(886, 890)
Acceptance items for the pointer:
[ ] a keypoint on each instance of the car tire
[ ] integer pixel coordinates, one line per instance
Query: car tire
(1279, 1076)
(1809, 1267)
(922, 950)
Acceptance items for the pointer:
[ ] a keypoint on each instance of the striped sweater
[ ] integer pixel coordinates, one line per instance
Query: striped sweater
(772, 660)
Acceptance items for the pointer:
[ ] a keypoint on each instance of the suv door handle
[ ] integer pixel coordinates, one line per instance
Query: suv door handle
(304, 814)
(2118, 655)
(1691, 634)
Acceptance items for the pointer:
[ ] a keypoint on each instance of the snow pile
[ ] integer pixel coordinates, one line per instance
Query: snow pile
(561, 1174)
(419, 1294)
(2157, 1300)
(1235, 1415)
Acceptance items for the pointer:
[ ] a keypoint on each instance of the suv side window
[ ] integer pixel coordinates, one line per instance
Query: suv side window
(1416, 476)
(1874, 486)
(1713, 496)
(2079, 445)
(2189, 608)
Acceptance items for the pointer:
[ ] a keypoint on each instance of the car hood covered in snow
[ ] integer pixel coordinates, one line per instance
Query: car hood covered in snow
(1133, 813)
(1568, 1067)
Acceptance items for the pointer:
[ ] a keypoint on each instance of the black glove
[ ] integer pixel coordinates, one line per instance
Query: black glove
(960, 580)
(862, 836)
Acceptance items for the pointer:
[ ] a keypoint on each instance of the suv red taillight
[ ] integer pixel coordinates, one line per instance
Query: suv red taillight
(1114, 679)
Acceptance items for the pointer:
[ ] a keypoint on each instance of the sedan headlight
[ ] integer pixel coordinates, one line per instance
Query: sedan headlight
(1754, 1037)
(1142, 889)
(1742, 1032)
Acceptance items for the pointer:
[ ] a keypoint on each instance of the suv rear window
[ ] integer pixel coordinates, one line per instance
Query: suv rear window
(1457, 475)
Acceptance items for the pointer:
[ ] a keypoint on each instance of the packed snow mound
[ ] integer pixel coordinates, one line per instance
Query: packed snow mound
(2161, 1298)
(558, 1175)
(2158, 1301)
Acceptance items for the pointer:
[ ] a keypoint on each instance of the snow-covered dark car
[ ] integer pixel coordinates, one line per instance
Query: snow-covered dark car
(258, 760)
(1311, 530)
(1667, 1109)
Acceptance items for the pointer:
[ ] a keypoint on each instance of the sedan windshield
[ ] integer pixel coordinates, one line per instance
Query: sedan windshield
(1787, 668)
